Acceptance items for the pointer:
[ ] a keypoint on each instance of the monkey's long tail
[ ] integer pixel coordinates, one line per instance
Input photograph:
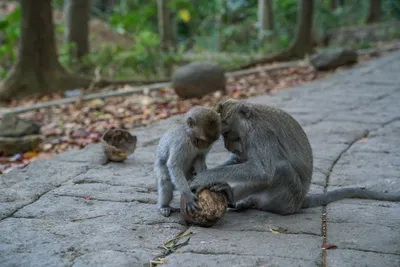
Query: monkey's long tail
(338, 194)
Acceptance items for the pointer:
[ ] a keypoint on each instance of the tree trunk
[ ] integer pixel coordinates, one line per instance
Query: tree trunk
(164, 25)
(374, 11)
(265, 19)
(37, 69)
(332, 4)
(303, 40)
(76, 15)
(219, 25)
(302, 43)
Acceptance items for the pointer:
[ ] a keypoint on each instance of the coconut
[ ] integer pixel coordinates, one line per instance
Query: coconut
(118, 144)
(212, 206)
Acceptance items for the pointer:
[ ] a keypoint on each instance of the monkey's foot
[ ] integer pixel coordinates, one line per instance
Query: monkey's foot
(242, 205)
(166, 210)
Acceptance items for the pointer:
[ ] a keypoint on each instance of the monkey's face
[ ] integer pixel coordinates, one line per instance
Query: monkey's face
(203, 131)
(234, 125)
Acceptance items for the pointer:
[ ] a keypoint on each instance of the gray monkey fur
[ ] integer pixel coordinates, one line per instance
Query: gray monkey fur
(181, 151)
(271, 162)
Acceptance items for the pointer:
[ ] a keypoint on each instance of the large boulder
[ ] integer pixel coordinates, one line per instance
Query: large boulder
(327, 60)
(197, 79)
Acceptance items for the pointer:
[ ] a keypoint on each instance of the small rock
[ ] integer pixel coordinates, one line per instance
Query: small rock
(13, 126)
(197, 79)
(327, 60)
(14, 145)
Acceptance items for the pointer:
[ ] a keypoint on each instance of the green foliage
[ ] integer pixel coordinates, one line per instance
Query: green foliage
(9, 34)
(144, 59)
(64, 55)
(134, 16)
(193, 23)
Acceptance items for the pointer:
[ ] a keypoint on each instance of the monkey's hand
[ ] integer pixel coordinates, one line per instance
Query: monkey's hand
(196, 187)
(190, 202)
(224, 188)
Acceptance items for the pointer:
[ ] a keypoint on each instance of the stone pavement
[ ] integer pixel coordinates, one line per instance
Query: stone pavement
(72, 211)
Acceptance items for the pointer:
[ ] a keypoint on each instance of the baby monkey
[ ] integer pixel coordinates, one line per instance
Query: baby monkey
(181, 151)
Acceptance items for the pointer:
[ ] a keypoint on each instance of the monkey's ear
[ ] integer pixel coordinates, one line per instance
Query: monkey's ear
(190, 122)
(245, 111)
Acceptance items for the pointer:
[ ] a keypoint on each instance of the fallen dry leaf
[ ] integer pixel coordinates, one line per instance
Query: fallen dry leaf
(328, 246)
(29, 155)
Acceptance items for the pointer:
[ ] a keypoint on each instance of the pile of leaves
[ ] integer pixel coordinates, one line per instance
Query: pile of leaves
(75, 125)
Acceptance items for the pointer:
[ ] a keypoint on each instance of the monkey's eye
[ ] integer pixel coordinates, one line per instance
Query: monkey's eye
(190, 122)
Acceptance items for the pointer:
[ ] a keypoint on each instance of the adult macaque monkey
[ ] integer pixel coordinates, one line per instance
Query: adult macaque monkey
(271, 162)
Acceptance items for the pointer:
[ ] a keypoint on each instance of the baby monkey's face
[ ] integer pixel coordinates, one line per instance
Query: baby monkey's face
(203, 131)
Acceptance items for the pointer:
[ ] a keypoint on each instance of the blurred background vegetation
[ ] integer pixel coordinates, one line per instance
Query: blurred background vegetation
(125, 41)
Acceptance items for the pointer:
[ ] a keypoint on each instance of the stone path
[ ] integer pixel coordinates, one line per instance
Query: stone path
(71, 211)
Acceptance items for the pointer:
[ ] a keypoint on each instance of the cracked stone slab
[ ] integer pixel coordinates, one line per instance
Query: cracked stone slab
(389, 144)
(105, 192)
(367, 169)
(60, 243)
(127, 173)
(380, 111)
(92, 155)
(354, 258)
(210, 260)
(335, 132)
(111, 258)
(367, 211)
(327, 151)
(319, 177)
(214, 241)
(364, 225)
(23, 186)
(79, 209)
(307, 221)
(365, 237)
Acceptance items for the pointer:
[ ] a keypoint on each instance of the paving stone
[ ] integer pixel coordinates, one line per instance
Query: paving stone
(367, 169)
(364, 237)
(363, 225)
(60, 243)
(111, 258)
(211, 260)
(76, 209)
(215, 241)
(354, 258)
(308, 221)
(23, 186)
(365, 212)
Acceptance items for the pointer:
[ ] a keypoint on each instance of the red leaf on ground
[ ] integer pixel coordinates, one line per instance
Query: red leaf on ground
(87, 197)
(328, 246)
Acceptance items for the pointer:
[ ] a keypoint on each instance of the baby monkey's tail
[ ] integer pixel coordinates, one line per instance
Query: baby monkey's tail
(338, 194)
